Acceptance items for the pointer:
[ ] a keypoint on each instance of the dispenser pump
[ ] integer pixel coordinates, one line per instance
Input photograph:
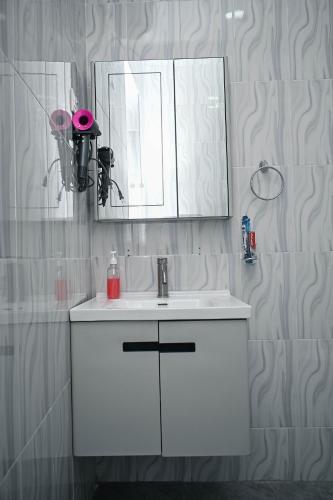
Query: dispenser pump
(113, 260)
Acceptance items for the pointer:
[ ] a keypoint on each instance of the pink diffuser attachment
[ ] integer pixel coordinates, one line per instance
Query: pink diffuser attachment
(83, 119)
(60, 120)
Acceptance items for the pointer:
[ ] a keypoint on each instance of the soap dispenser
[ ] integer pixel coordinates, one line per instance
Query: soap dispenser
(113, 278)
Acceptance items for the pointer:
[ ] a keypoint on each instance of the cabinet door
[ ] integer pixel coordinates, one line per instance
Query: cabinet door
(204, 394)
(116, 399)
(135, 112)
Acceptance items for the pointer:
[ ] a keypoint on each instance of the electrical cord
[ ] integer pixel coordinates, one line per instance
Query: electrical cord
(102, 188)
(71, 184)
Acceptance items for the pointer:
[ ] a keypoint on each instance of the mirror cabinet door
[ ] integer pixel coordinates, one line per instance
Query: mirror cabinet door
(166, 123)
(135, 112)
(202, 163)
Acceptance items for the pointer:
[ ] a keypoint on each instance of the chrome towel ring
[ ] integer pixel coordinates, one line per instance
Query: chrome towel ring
(263, 167)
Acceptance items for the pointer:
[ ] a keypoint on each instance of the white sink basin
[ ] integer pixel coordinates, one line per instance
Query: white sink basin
(215, 304)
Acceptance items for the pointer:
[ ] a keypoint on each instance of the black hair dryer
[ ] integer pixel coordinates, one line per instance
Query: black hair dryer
(85, 129)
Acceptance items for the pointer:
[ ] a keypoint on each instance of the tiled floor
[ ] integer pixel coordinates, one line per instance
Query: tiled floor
(216, 491)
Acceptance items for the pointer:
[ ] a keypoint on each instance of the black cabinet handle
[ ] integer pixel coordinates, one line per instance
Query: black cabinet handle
(177, 347)
(160, 347)
(140, 346)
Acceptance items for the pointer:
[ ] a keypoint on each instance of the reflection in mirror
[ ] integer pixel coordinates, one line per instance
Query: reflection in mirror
(40, 89)
(202, 163)
(134, 108)
(140, 144)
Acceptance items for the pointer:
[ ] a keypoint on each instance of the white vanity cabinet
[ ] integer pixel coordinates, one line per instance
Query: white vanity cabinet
(171, 388)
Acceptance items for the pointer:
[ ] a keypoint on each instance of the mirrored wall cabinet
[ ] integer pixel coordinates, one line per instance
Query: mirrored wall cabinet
(166, 122)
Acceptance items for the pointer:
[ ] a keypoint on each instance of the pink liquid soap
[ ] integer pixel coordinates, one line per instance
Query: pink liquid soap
(113, 288)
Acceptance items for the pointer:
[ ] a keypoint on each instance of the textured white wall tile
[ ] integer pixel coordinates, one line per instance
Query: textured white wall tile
(311, 362)
(208, 469)
(261, 40)
(162, 469)
(101, 31)
(313, 208)
(206, 29)
(201, 272)
(141, 274)
(311, 454)
(269, 287)
(106, 28)
(260, 121)
(314, 278)
(116, 469)
(310, 39)
(269, 459)
(311, 107)
(269, 384)
(152, 29)
(160, 238)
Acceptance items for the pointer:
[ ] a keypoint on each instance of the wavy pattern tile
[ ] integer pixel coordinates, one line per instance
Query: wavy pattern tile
(310, 39)
(313, 454)
(311, 104)
(269, 384)
(116, 469)
(261, 40)
(260, 122)
(312, 365)
(201, 272)
(106, 31)
(99, 20)
(209, 469)
(206, 29)
(152, 30)
(314, 273)
(162, 469)
(269, 457)
(269, 287)
(313, 202)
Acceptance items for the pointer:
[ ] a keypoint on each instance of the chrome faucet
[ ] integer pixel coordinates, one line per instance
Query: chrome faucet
(162, 275)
